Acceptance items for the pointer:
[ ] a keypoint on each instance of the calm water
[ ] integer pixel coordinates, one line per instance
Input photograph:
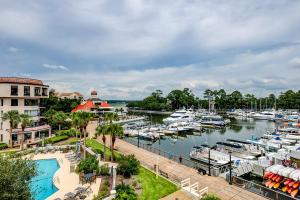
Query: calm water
(42, 185)
(237, 129)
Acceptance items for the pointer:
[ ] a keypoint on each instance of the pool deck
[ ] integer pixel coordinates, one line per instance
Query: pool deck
(63, 179)
(216, 185)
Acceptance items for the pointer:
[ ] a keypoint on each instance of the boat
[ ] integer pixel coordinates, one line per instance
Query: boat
(180, 116)
(180, 127)
(264, 115)
(201, 153)
(213, 120)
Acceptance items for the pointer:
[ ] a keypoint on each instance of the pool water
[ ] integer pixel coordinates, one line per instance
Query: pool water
(42, 186)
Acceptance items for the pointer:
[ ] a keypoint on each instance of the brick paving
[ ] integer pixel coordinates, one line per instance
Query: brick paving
(177, 172)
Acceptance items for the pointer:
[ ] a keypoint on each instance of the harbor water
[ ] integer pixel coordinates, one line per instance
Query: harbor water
(182, 143)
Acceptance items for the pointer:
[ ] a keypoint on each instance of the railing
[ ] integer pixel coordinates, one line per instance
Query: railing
(260, 189)
(215, 171)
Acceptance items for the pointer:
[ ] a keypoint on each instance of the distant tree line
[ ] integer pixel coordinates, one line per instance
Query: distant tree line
(235, 100)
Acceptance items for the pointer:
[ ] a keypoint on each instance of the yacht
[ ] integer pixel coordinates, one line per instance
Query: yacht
(264, 115)
(214, 120)
(180, 116)
(180, 127)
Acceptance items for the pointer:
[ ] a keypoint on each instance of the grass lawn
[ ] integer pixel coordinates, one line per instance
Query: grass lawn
(70, 141)
(153, 187)
(97, 146)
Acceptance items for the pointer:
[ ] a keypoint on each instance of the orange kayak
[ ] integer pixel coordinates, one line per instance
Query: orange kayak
(294, 193)
(272, 184)
(296, 185)
(268, 183)
(284, 189)
(275, 177)
(276, 185)
(279, 179)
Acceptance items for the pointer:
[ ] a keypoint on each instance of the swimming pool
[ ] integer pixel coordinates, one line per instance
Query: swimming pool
(42, 186)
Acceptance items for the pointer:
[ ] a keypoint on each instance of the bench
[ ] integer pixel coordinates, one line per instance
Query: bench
(164, 174)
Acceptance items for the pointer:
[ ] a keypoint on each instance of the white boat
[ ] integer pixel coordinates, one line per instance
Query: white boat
(264, 115)
(214, 120)
(180, 116)
(180, 126)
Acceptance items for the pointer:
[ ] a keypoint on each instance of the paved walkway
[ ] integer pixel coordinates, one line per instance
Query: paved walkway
(176, 171)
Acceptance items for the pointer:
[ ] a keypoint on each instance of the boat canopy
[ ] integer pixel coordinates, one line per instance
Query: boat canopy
(238, 141)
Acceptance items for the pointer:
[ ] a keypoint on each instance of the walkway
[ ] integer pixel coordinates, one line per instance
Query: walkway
(176, 171)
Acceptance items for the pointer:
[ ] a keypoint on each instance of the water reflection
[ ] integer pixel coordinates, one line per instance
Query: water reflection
(238, 129)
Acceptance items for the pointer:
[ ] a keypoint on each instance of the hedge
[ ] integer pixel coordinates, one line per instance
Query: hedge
(3, 146)
(56, 139)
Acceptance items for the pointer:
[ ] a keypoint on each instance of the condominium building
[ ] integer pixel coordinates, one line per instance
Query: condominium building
(23, 95)
(68, 95)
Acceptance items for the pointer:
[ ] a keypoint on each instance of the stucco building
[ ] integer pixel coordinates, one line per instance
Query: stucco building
(23, 95)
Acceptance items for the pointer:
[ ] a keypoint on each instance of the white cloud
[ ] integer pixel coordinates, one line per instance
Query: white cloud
(13, 49)
(61, 67)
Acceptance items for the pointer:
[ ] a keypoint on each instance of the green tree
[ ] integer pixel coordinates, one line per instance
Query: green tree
(60, 118)
(15, 174)
(113, 130)
(25, 122)
(125, 192)
(103, 130)
(13, 117)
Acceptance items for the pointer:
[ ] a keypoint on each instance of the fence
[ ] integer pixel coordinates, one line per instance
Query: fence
(260, 189)
(215, 171)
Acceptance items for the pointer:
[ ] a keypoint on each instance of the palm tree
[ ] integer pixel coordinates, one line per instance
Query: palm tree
(83, 120)
(103, 130)
(25, 121)
(60, 118)
(113, 130)
(13, 118)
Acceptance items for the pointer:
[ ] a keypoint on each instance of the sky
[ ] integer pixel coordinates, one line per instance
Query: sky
(127, 49)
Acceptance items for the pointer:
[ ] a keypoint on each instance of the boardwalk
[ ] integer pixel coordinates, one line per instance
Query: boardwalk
(217, 185)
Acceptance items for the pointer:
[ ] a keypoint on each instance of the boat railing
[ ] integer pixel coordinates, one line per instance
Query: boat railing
(260, 189)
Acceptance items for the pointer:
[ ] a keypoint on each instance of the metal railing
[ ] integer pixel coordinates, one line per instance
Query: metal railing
(215, 171)
(260, 189)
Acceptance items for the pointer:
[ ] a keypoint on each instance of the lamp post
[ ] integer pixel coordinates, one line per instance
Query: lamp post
(230, 169)
(209, 174)
(138, 138)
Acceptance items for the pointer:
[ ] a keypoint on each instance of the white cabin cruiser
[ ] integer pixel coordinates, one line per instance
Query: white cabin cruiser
(180, 116)
(264, 115)
(214, 120)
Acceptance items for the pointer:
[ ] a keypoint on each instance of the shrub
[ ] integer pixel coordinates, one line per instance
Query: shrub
(210, 197)
(55, 139)
(125, 192)
(70, 132)
(104, 170)
(103, 191)
(128, 165)
(88, 165)
(3, 146)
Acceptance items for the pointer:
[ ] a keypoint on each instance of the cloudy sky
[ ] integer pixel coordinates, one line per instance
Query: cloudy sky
(127, 49)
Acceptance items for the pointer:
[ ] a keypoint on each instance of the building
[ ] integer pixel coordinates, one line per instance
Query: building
(94, 104)
(23, 95)
(69, 95)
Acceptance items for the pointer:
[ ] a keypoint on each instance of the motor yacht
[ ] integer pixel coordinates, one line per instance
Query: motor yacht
(264, 115)
(214, 120)
(180, 116)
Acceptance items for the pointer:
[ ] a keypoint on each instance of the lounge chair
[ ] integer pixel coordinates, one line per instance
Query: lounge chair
(69, 196)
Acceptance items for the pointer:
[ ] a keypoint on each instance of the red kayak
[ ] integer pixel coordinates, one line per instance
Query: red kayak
(279, 179)
(287, 181)
(275, 177)
(270, 177)
(268, 174)
(292, 183)
(290, 189)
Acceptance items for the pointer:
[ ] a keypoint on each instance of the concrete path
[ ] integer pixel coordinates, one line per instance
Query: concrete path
(176, 171)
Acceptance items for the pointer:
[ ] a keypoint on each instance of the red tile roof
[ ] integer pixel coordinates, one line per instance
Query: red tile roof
(20, 80)
(88, 105)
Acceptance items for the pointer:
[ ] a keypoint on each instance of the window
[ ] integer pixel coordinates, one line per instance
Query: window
(31, 102)
(14, 90)
(1, 125)
(14, 102)
(37, 91)
(1, 102)
(26, 90)
(1, 138)
(45, 91)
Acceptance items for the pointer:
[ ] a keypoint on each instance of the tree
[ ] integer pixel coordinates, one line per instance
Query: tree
(113, 130)
(103, 130)
(15, 174)
(13, 118)
(128, 166)
(25, 121)
(59, 118)
(83, 120)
